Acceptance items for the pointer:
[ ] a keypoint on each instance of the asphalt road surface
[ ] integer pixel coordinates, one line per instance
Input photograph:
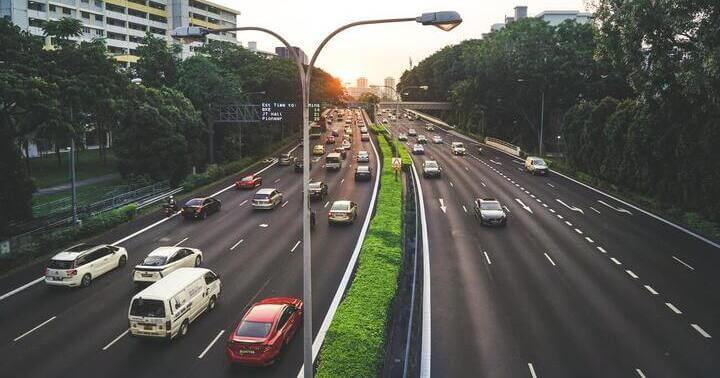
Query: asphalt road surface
(576, 285)
(82, 332)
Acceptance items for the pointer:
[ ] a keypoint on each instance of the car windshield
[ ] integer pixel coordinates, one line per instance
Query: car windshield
(147, 308)
(194, 202)
(490, 206)
(154, 261)
(431, 164)
(332, 159)
(253, 329)
(458, 145)
(261, 196)
(340, 206)
(247, 178)
(314, 185)
(538, 162)
(362, 168)
(60, 264)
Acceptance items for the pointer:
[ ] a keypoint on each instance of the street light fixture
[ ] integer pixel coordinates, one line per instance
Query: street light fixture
(446, 20)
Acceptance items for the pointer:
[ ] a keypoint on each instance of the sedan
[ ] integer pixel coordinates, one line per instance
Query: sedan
(418, 149)
(490, 212)
(342, 212)
(165, 260)
(346, 145)
(200, 208)
(431, 169)
(363, 173)
(264, 330)
(402, 137)
(363, 157)
(248, 182)
(317, 190)
(437, 139)
(421, 139)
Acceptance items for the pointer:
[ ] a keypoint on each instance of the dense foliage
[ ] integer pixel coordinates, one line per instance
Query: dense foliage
(633, 99)
(162, 127)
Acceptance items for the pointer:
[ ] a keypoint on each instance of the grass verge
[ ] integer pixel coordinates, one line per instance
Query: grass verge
(45, 171)
(356, 340)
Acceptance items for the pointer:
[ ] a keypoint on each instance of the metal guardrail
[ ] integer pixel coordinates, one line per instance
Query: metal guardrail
(503, 145)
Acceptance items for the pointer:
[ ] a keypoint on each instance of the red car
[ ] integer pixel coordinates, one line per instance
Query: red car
(264, 330)
(330, 139)
(248, 182)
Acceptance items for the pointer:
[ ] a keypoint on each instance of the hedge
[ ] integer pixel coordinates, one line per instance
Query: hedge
(356, 340)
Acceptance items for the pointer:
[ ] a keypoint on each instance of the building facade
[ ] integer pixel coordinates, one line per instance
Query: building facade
(389, 82)
(123, 23)
(554, 18)
(284, 53)
(362, 82)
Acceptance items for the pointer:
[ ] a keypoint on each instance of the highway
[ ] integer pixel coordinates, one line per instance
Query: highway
(83, 332)
(576, 285)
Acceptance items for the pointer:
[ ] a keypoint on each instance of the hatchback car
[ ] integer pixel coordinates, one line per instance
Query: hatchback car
(342, 212)
(319, 150)
(363, 129)
(80, 264)
(165, 260)
(267, 199)
(402, 137)
(490, 212)
(286, 159)
(317, 189)
(200, 208)
(265, 329)
(437, 139)
(248, 182)
(418, 149)
(363, 173)
(431, 168)
(299, 166)
(363, 157)
(457, 148)
(421, 139)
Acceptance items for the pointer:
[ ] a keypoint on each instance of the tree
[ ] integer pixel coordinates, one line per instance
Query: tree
(158, 62)
(62, 30)
(369, 98)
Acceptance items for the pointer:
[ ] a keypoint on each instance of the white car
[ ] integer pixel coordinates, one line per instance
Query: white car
(165, 260)
(412, 132)
(363, 129)
(536, 165)
(418, 149)
(431, 168)
(363, 157)
(402, 137)
(80, 264)
(458, 148)
(346, 145)
(437, 139)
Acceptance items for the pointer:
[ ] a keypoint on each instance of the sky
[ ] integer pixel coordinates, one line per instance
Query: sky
(374, 51)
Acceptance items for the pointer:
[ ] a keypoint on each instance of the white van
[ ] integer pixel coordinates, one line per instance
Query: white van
(166, 308)
(536, 165)
(333, 161)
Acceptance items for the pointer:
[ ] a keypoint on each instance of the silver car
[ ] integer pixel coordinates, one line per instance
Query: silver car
(490, 212)
(431, 168)
(267, 198)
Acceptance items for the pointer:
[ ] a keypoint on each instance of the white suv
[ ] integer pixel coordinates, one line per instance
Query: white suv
(363, 157)
(458, 148)
(79, 265)
(165, 260)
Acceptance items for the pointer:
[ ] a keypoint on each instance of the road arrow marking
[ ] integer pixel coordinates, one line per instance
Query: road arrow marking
(524, 205)
(573, 208)
(618, 209)
(442, 206)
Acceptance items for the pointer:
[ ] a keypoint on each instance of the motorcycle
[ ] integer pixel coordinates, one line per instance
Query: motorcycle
(170, 209)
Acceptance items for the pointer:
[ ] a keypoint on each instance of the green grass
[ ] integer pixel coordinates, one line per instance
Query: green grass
(45, 171)
(356, 340)
(86, 194)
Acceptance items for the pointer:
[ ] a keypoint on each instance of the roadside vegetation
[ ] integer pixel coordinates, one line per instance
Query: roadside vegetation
(631, 100)
(356, 340)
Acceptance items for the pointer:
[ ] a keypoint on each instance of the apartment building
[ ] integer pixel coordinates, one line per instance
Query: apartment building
(123, 23)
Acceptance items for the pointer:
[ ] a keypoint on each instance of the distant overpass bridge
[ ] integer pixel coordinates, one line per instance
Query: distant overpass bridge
(416, 105)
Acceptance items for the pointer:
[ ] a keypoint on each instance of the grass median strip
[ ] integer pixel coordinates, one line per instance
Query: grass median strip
(355, 342)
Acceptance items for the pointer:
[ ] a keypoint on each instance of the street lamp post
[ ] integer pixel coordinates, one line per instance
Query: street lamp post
(542, 118)
(443, 20)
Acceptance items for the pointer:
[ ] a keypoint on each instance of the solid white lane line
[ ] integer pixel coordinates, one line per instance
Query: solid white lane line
(532, 370)
(640, 373)
(578, 231)
(116, 339)
(616, 261)
(594, 209)
(683, 262)
(211, 344)
(283, 205)
(326, 204)
(701, 331)
(295, 246)
(21, 288)
(180, 242)
(552, 211)
(551, 185)
(651, 290)
(34, 329)
(549, 259)
(632, 274)
(487, 258)
(601, 249)
(237, 244)
(673, 308)
(465, 209)
(589, 240)
(242, 203)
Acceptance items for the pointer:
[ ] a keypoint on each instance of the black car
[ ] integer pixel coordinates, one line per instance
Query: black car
(299, 165)
(200, 208)
(363, 172)
(317, 190)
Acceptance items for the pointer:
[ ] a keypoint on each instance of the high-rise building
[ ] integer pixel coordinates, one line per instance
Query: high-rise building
(362, 82)
(283, 52)
(557, 17)
(389, 82)
(123, 23)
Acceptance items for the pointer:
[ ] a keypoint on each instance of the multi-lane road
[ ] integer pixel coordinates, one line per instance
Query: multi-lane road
(83, 332)
(577, 284)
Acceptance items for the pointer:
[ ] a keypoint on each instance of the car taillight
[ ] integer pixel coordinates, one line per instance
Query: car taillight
(199, 209)
(47, 270)
(71, 272)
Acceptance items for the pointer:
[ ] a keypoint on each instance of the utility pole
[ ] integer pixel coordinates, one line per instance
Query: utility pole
(542, 121)
(72, 171)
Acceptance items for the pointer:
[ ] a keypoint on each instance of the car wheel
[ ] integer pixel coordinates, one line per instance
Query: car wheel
(211, 304)
(183, 329)
(121, 261)
(198, 260)
(86, 280)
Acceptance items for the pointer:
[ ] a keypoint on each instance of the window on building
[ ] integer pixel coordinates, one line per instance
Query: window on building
(52, 8)
(157, 31)
(115, 22)
(35, 6)
(67, 11)
(136, 13)
(36, 22)
(85, 15)
(98, 3)
(141, 2)
(98, 17)
(135, 39)
(114, 8)
(85, 1)
(116, 36)
(157, 18)
(155, 5)
(135, 26)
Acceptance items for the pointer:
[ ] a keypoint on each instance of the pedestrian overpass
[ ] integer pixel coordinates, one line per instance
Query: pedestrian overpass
(415, 105)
